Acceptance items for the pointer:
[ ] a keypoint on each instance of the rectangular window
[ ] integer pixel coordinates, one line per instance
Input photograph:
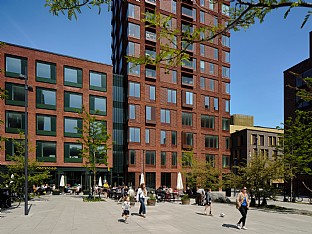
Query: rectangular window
(174, 77)
(150, 157)
(262, 140)
(152, 92)
(72, 153)
(132, 155)
(187, 139)
(131, 111)
(227, 88)
(215, 53)
(187, 119)
(163, 158)
(188, 98)
(227, 143)
(147, 136)
(225, 9)
(202, 50)
(13, 147)
(162, 137)
(186, 159)
(211, 68)
(227, 106)
(207, 121)
(15, 66)
(207, 102)
(73, 77)
(133, 11)
(225, 72)
(45, 72)
(174, 6)
(172, 96)
(225, 41)
(73, 102)
(14, 121)
(46, 98)
(165, 116)
(202, 82)
(46, 151)
(187, 80)
(150, 73)
(174, 137)
(174, 159)
(72, 127)
(202, 17)
(134, 89)
(211, 84)
(150, 114)
(15, 94)
(202, 66)
(133, 30)
(133, 69)
(97, 105)
(216, 103)
(226, 57)
(225, 161)
(151, 36)
(210, 158)
(134, 135)
(46, 125)
(211, 141)
(225, 124)
(98, 81)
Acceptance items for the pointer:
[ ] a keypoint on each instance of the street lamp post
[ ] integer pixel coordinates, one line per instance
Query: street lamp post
(27, 88)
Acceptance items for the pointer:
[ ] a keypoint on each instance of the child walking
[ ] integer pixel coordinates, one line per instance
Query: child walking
(125, 208)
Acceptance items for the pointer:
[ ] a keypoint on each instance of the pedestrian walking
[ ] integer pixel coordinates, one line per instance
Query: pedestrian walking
(242, 204)
(207, 201)
(126, 208)
(141, 194)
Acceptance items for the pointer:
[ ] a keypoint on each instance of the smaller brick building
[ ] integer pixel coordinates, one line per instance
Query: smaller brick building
(61, 86)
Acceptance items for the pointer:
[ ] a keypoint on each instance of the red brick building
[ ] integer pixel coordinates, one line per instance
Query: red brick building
(170, 113)
(61, 86)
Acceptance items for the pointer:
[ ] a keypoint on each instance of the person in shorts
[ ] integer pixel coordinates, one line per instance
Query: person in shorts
(126, 208)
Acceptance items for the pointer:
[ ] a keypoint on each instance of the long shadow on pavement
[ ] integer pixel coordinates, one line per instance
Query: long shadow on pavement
(227, 225)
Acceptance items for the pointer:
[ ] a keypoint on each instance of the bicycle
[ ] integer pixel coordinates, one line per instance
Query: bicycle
(13, 201)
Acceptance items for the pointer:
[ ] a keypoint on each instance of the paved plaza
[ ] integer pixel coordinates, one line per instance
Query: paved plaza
(69, 214)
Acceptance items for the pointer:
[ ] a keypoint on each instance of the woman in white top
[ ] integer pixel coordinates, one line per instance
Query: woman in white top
(141, 194)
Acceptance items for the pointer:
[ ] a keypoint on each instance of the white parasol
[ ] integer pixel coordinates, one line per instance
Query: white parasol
(142, 179)
(62, 181)
(179, 182)
(100, 182)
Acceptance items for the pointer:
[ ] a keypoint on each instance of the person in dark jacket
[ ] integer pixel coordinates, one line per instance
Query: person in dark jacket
(207, 200)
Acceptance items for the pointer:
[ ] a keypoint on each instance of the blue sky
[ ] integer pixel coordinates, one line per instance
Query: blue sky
(259, 55)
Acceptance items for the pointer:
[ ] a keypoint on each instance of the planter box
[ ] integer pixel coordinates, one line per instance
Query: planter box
(186, 201)
(56, 192)
(86, 192)
(151, 202)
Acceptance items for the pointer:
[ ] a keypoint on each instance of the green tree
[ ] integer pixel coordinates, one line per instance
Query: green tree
(14, 174)
(199, 173)
(94, 140)
(297, 145)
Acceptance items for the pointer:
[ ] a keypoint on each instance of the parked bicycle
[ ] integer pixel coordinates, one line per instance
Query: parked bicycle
(13, 201)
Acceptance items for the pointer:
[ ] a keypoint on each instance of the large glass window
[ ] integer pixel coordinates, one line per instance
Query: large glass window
(212, 84)
(225, 41)
(131, 111)
(133, 30)
(15, 94)
(134, 89)
(211, 141)
(134, 134)
(187, 119)
(46, 125)
(133, 69)
(210, 158)
(227, 105)
(172, 96)
(163, 137)
(98, 81)
(150, 72)
(72, 153)
(187, 139)
(150, 114)
(132, 154)
(174, 140)
(225, 161)
(226, 72)
(73, 77)
(227, 88)
(174, 159)
(147, 136)
(164, 116)
(46, 151)
(133, 11)
(46, 72)
(13, 147)
(207, 121)
(187, 80)
(14, 121)
(97, 105)
(72, 127)
(216, 103)
(152, 92)
(207, 102)
(174, 77)
(163, 158)
(73, 102)
(150, 157)
(15, 66)
(225, 124)
(188, 98)
(46, 98)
